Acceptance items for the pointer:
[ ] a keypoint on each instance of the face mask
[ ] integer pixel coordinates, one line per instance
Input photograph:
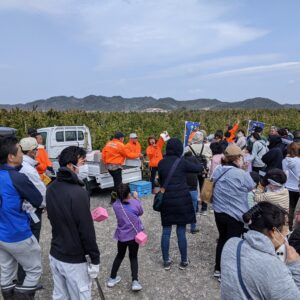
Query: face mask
(252, 139)
(281, 251)
(239, 134)
(83, 172)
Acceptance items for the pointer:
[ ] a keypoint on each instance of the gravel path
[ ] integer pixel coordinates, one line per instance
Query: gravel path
(196, 282)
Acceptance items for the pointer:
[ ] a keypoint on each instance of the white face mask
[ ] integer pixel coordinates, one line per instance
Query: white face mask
(252, 139)
(83, 172)
(281, 251)
(239, 134)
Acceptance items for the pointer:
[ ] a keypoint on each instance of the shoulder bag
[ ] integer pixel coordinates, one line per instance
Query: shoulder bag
(238, 257)
(207, 190)
(158, 198)
(141, 237)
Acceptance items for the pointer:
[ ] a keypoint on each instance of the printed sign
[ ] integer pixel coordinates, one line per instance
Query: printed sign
(190, 127)
(252, 124)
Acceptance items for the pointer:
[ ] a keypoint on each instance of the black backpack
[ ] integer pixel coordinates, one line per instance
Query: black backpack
(201, 158)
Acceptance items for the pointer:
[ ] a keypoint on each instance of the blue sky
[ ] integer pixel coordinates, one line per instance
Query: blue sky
(185, 49)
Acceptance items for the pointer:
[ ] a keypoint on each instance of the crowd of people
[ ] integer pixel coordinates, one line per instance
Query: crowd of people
(255, 204)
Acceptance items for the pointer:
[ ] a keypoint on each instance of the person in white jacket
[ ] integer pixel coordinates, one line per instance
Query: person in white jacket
(291, 166)
(29, 148)
(259, 149)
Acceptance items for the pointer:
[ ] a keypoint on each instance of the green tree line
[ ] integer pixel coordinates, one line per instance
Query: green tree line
(103, 124)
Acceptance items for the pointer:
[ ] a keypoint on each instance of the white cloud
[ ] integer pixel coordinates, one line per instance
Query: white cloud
(256, 69)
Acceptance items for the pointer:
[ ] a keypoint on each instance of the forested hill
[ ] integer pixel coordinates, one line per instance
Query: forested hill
(120, 104)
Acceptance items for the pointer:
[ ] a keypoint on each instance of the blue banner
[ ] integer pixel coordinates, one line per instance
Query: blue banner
(252, 124)
(189, 128)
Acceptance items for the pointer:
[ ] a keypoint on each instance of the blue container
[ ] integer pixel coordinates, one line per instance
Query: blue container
(143, 188)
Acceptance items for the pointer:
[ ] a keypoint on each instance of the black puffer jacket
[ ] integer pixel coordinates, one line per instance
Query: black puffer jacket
(68, 207)
(177, 208)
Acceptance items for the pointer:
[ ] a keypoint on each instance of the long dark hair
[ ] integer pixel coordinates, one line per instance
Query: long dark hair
(265, 216)
(123, 191)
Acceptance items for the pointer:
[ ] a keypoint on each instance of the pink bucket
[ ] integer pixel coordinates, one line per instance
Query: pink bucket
(99, 214)
(141, 238)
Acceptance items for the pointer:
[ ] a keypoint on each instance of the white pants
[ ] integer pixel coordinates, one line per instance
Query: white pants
(71, 281)
(28, 254)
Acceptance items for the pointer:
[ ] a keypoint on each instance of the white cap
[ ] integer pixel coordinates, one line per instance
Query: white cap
(28, 144)
(133, 136)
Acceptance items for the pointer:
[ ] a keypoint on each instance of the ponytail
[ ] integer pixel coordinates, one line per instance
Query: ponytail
(265, 216)
(123, 191)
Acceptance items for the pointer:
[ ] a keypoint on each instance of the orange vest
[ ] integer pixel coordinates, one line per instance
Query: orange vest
(43, 159)
(134, 147)
(154, 153)
(115, 153)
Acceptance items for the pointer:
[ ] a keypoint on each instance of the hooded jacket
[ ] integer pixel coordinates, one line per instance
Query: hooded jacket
(264, 274)
(154, 153)
(258, 151)
(177, 207)
(291, 165)
(28, 168)
(68, 207)
(15, 187)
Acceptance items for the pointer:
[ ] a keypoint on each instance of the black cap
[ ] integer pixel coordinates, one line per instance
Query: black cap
(118, 135)
(32, 132)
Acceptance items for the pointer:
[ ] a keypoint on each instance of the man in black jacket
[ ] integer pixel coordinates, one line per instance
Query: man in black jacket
(73, 233)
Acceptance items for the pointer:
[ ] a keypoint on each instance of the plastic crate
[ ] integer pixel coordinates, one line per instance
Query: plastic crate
(143, 188)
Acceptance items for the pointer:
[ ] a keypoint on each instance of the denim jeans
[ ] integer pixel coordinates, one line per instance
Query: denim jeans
(194, 195)
(181, 238)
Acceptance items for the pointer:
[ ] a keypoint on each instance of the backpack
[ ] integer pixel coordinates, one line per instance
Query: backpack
(201, 158)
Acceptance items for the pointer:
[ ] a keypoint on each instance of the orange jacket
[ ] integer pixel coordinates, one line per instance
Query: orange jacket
(232, 133)
(115, 152)
(43, 159)
(134, 147)
(154, 153)
(191, 136)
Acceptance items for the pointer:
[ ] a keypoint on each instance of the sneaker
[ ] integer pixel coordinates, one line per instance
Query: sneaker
(203, 213)
(219, 279)
(136, 286)
(167, 264)
(217, 274)
(183, 265)
(113, 281)
(194, 231)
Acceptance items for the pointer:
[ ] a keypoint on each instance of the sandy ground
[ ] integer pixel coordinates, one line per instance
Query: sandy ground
(196, 282)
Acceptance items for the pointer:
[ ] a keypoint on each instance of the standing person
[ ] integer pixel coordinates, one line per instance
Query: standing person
(17, 243)
(203, 153)
(259, 149)
(133, 146)
(29, 148)
(217, 153)
(274, 190)
(230, 199)
(219, 138)
(113, 155)
(177, 207)
(232, 130)
(154, 153)
(241, 139)
(44, 163)
(291, 165)
(273, 130)
(192, 182)
(73, 233)
(273, 158)
(128, 211)
(263, 274)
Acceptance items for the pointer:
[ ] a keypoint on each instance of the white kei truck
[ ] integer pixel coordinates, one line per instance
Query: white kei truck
(58, 138)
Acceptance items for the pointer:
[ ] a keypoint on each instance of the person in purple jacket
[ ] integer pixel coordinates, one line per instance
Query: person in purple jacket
(127, 210)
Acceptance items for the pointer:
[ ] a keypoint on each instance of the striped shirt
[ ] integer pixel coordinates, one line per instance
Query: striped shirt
(231, 191)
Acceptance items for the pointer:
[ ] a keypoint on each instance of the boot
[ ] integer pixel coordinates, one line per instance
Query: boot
(24, 292)
(8, 291)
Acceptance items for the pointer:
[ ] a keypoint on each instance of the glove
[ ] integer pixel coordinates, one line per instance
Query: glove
(93, 271)
(50, 169)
